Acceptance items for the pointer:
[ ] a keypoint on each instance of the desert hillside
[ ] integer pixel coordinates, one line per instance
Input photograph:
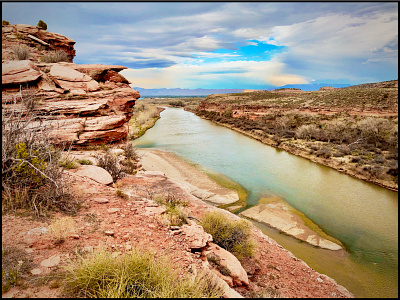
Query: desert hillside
(353, 129)
(81, 215)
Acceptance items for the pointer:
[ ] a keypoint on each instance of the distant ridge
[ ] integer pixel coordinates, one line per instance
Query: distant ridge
(313, 86)
(184, 92)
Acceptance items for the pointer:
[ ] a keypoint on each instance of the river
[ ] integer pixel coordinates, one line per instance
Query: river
(363, 216)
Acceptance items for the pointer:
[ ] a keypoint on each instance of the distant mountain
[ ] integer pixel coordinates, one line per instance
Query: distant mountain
(184, 92)
(314, 86)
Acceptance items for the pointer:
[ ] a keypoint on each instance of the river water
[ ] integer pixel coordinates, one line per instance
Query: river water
(363, 216)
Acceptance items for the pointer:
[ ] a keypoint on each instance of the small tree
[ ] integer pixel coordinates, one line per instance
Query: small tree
(42, 25)
(5, 22)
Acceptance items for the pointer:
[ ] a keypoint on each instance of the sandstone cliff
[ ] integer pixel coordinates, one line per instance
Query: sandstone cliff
(85, 104)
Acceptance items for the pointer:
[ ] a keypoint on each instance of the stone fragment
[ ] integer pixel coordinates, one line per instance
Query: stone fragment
(36, 271)
(152, 210)
(52, 261)
(109, 232)
(88, 249)
(101, 200)
(113, 210)
(196, 237)
(96, 173)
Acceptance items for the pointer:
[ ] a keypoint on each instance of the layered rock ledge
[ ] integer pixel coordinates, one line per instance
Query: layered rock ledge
(90, 106)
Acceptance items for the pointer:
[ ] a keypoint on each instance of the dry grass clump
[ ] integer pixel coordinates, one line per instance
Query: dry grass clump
(175, 215)
(55, 57)
(233, 236)
(31, 177)
(61, 229)
(20, 52)
(134, 275)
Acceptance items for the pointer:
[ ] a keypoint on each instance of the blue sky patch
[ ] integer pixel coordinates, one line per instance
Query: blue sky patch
(256, 51)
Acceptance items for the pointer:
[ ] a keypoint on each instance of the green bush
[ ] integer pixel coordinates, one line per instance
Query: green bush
(84, 162)
(234, 236)
(5, 22)
(134, 275)
(31, 177)
(42, 25)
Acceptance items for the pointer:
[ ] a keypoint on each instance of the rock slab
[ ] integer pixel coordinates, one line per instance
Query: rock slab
(96, 173)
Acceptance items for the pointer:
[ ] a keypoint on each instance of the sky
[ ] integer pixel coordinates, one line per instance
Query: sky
(227, 45)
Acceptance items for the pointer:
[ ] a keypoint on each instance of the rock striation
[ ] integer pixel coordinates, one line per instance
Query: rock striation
(81, 104)
(39, 41)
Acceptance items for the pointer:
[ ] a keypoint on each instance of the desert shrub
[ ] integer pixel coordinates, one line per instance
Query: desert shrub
(122, 195)
(135, 275)
(307, 131)
(374, 130)
(61, 229)
(234, 236)
(175, 214)
(55, 57)
(42, 25)
(129, 166)
(324, 152)
(5, 22)
(31, 177)
(20, 52)
(334, 130)
(68, 163)
(84, 162)
(344, 149)
(130, 151)
(110, 163)
(176, 103)
(16, 264)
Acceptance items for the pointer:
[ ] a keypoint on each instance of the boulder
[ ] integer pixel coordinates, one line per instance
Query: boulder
(195, 236)
(230, 262)
(18, 72)
(96, 173)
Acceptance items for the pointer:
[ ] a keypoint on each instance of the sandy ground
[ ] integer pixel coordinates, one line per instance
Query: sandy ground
(199, 183)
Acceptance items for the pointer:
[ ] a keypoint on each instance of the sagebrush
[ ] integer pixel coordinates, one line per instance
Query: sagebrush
(31, 177)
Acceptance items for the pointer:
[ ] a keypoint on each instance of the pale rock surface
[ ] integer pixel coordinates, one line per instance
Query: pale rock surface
(196, 237)
(68, 74)
(52, 261)
(96, 173)
(278, 216)
(18, 72)
(229, 261)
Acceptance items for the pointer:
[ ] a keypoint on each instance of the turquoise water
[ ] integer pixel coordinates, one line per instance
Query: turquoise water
(364, 217)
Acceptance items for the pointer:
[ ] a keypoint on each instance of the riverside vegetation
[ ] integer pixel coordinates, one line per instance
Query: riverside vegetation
(354, 129)
(33, 184)
(50, 211)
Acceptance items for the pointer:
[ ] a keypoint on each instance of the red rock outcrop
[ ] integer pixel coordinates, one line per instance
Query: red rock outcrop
(83, 104)
(38, 40)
